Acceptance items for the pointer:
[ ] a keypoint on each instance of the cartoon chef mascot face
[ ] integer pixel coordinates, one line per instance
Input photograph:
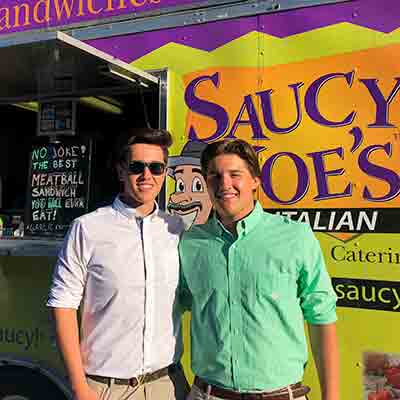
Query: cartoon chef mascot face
(190, 199)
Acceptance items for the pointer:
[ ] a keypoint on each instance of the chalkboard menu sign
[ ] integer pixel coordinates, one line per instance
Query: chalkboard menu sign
(58, 187)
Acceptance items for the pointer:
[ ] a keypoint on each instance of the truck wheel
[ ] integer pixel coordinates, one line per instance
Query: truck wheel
(19, 383)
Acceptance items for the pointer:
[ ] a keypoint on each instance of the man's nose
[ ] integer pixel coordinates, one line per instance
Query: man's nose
(146, 172)
(225, 182)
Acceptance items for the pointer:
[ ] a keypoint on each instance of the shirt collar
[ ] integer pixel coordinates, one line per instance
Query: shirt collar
(131, 212)
(244, 226)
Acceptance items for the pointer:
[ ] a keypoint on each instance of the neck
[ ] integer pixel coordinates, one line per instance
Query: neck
(229, 224)
(142, 209)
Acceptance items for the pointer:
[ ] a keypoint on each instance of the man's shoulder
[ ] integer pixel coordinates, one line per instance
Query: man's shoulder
(195, 241)
(96, 217)
(286, 223)
(199, 231)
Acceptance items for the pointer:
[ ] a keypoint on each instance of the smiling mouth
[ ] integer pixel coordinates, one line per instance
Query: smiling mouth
(145, 186)
(226, 196)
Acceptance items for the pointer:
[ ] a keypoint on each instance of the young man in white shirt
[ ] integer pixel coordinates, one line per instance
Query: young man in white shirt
(120, 264)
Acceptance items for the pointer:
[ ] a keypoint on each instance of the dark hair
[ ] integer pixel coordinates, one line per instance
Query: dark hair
(239, 147)
(158, 137)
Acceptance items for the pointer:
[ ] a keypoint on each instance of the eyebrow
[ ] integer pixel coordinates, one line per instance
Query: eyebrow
(196, 170)
(230, 171)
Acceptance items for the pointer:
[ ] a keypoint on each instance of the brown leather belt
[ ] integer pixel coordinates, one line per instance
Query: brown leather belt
(145, 378)
(298, 390)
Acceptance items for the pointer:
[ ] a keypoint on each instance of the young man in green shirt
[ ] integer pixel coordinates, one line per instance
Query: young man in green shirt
(250, 279)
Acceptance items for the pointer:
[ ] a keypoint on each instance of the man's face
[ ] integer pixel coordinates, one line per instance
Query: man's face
(143, 188)
(190, 199)
(231, 186)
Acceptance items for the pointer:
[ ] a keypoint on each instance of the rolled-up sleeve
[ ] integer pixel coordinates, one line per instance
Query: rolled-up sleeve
(317, 297)
(70, 271)
(184, 295)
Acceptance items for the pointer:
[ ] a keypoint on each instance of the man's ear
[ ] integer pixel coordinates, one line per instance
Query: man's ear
(257, 183)
(120, 172)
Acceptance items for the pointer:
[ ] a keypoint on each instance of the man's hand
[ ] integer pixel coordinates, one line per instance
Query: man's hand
(86, 393)
(68, 341)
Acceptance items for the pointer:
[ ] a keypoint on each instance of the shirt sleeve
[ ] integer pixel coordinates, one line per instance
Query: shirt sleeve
(184, 294)
(69, 276)
(317, 297)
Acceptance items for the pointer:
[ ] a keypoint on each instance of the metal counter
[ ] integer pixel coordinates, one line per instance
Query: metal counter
(30, 247)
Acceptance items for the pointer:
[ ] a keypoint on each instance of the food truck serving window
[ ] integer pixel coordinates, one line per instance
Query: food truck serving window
(61, 109)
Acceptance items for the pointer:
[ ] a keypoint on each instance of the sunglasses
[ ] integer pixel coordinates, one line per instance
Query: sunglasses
(138, 167)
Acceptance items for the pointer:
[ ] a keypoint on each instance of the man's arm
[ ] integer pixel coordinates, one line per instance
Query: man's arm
(67, 331)
(65, 295)
(326, 355)
(318, 302)
(184, 295)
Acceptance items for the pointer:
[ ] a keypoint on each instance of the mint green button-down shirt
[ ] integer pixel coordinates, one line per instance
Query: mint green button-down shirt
(249, 298)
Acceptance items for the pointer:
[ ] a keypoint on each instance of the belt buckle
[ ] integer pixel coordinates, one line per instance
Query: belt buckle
(133, 382)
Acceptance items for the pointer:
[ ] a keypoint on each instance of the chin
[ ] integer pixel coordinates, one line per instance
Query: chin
(229, 212)
(146, 195)
(143, 199)
(149, 199)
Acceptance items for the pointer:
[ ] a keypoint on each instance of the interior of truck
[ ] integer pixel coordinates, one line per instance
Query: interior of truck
(100, 96)
(97, 119)
(107, 95)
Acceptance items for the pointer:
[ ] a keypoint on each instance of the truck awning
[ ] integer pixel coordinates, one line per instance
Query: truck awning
(54, 64)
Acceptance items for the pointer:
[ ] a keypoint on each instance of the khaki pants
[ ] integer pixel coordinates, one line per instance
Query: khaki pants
(170, 387)
(197, 394)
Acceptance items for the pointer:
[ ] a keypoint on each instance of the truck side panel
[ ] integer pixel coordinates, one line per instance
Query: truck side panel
(316, 91)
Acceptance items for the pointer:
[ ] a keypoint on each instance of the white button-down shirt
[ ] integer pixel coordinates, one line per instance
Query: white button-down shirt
(125, 271)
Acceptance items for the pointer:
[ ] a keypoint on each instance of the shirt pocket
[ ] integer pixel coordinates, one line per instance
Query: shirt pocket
(276, 281)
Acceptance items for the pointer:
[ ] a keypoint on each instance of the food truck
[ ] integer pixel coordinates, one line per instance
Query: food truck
(313, 85)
